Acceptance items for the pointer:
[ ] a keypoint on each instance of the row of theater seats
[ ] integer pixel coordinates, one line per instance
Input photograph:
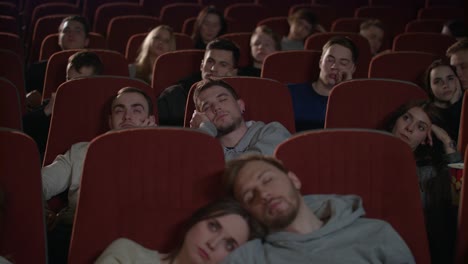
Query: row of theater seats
(402, 65)
(80, 111)
(117, 30)
(147, 202)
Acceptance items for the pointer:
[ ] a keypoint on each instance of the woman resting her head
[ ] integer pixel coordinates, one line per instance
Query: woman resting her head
(212, 232)
(158, 41)
(418, 124)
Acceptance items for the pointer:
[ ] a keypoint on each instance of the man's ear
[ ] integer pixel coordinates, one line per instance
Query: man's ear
(241, 105)
(201, 65)
(295, 180)
(86, 43)
(353, 69)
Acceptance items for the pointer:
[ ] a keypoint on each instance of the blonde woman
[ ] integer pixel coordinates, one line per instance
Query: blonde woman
(159, 41)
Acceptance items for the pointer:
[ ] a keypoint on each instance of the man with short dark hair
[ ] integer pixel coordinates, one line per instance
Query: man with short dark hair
(220, 60)
(306, 229)
(337, 64)
(219, 111)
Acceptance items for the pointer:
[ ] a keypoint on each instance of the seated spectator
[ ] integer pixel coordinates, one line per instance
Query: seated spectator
(209, 25)
(159, 41)
(306, 229)
(415, 124)
(219, 112)
(130, 108)
(73, 34)
(373, 30)
(213, 232)
(337, 64)
(262, 43)
(455, 28)
(36, 123)
(444, 89)
(458, 54)
(220, 60)
(302, 24)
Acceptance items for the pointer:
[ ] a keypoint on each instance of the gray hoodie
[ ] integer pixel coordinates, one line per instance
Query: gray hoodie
(345, 237)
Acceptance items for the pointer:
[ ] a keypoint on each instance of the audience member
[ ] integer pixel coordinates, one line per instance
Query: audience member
(306, 229)
(455, 28)
(337, 64)
(444, 89)
(36, 122)
(263, 42)
(302, 24)
(213, 232)
(73, 34)
(209, 25)
(130, 108)
(220, 60)
(373, 30)
(458, 54)
(219, 111)
(158, 41)
(415, 124)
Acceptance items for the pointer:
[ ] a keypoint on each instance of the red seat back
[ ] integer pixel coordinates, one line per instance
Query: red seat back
(306, 63)
(22, 229)
(10, 105)
(175, 14)
(164, 175)
(401, 65)
(168, 68)
(461, 250)
(14, 72)
(362, 162)
(105, 12)
(121, 28)
(367, 103)
(243, 17)
(114, 64)
(425, 25)
(418, 41)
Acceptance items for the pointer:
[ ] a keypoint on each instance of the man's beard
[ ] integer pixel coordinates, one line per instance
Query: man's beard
(280, 222)
(230, 128)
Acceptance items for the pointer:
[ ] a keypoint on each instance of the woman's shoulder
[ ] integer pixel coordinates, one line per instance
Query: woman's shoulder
(124, 250)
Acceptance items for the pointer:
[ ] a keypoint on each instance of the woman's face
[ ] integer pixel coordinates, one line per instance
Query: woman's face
(160, 43)
(413, 127)
(261, 45)
(210, 27)
(211, 240)
(444, 84)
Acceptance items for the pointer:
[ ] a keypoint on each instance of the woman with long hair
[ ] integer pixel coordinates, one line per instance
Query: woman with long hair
(444, 89)
(209, 25)
(212, 232)
(158, 41)
(419, 124)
